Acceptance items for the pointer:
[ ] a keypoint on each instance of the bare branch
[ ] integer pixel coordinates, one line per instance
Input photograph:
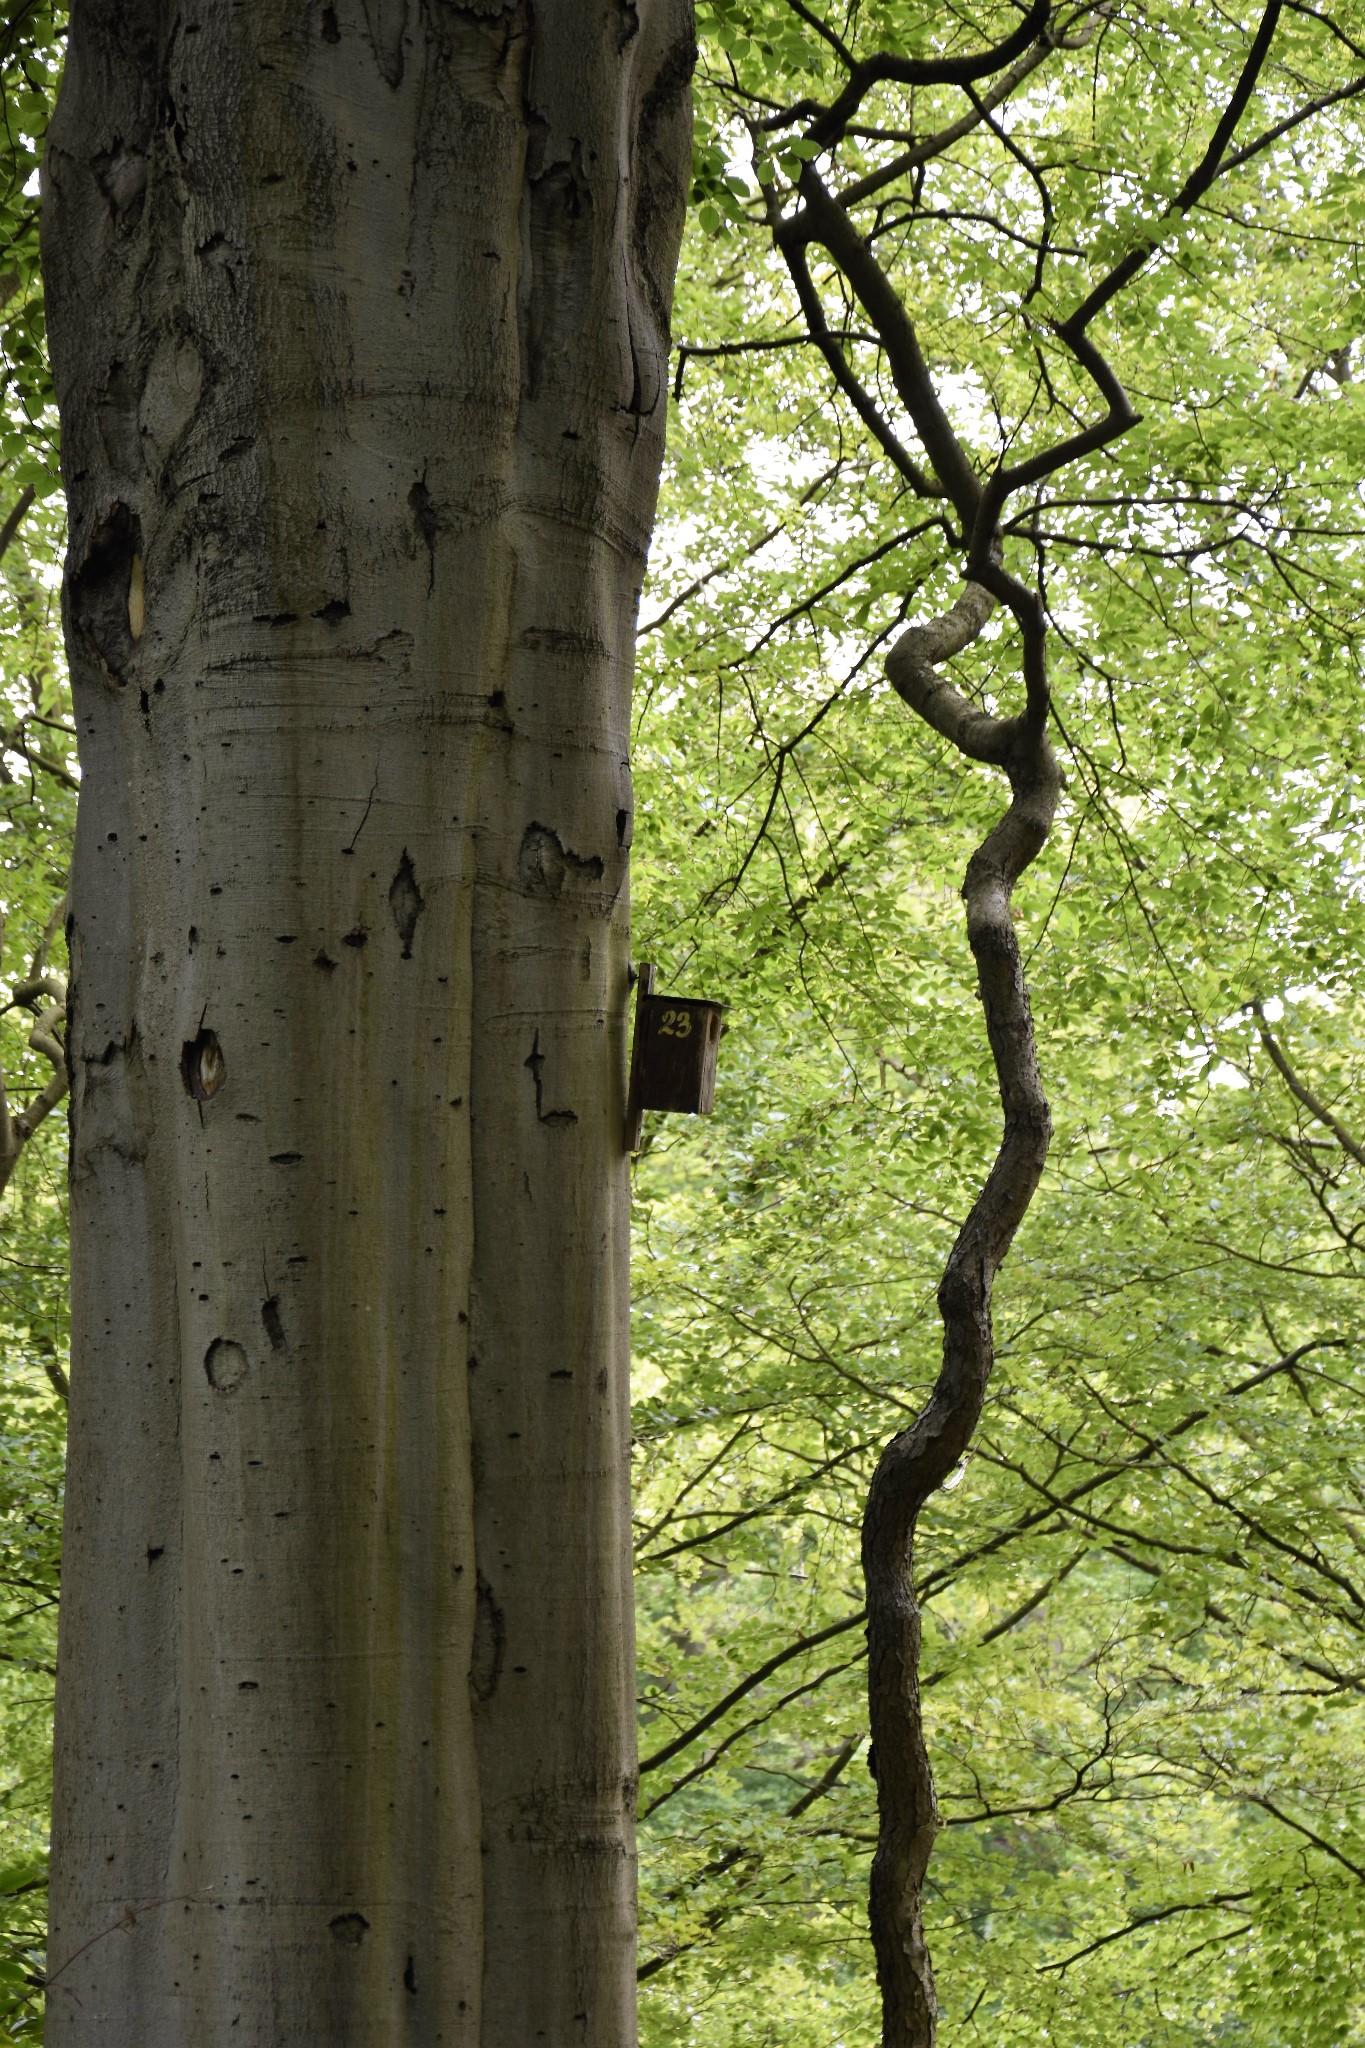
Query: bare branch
(16, 518)
(830, 347)
(884, 68)
(1198, 182)
(712, 1757)
(1220, 1900)
(823, 219)
(746, 1686)
(920, 153)
(1303, 1093)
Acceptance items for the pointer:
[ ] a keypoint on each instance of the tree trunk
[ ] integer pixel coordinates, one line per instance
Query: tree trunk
(359, 321)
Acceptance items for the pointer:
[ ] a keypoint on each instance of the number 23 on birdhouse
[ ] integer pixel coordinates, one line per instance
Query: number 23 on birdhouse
(673, 1058)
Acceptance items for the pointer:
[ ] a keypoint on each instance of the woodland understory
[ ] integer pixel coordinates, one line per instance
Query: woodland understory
(999, 765)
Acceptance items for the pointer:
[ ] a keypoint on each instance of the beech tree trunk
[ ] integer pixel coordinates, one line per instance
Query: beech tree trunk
(359, 321)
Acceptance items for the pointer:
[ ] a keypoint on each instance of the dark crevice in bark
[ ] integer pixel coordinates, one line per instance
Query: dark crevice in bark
(387, 21)
(271, 1322)
(349, 1929)
(490, 1639)
(104, 592)
(545, 864)
(557, 279)
(535, 1065)
(658, 198)
(406, 902)
(428, 524)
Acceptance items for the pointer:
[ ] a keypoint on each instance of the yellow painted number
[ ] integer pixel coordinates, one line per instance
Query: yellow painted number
(675, 1024)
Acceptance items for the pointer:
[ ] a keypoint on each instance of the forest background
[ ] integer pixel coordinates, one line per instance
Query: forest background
(1145, 1588)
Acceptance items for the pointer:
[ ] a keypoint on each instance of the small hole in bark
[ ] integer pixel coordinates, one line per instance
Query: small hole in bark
(270, 1318)
(410, 1977)
(349, 1929)
(358, 937)
(330, 32)
(225, 1364)
(202, 1066)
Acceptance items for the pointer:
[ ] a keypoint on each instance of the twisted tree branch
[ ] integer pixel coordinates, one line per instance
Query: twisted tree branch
(918, 1459)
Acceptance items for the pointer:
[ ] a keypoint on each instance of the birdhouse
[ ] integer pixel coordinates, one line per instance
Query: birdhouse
(673, 1058)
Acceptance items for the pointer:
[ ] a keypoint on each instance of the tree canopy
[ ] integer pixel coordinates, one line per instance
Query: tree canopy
(1143, 1588)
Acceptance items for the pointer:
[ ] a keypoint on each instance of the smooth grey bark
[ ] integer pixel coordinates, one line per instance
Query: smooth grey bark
(359, 321)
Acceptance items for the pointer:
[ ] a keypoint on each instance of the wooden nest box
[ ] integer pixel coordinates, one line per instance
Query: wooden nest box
(673, 1057)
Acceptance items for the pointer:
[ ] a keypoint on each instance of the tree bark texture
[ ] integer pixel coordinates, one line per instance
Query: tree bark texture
(359, 321)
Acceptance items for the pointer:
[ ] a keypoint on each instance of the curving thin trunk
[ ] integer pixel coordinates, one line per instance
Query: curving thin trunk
(842, 209)
(920, 1458)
